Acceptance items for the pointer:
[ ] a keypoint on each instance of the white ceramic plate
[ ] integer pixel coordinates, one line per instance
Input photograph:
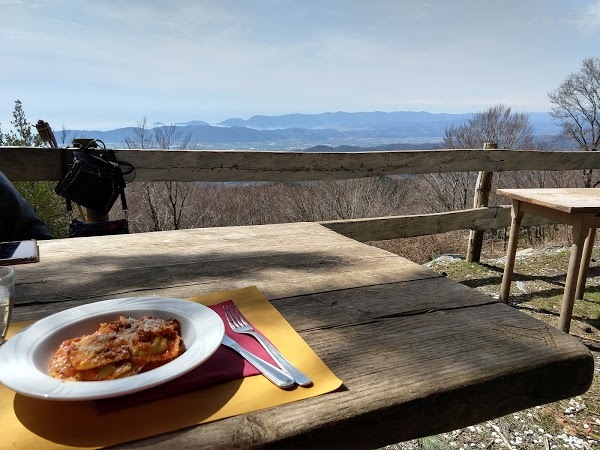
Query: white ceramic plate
(24, 358)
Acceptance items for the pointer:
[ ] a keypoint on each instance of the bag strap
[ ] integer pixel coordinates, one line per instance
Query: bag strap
(109, 155)
(64, 166)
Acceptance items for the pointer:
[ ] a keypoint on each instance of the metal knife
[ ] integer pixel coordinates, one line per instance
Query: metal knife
(273, 374)
(287, 366)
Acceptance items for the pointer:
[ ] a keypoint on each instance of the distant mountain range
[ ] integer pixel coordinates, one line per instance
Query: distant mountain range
(301, 131)
(352, 121)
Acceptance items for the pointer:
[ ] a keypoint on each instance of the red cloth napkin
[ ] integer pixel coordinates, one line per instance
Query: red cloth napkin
(224, 365)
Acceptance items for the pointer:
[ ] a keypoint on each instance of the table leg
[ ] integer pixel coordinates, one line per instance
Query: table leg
(585, 263)
(580, 234)
(513, 240)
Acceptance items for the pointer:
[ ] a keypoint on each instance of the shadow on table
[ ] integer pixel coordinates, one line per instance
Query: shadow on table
(78, 423)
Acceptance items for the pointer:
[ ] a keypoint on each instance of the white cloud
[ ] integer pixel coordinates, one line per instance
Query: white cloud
(176, 61)
(587, 19)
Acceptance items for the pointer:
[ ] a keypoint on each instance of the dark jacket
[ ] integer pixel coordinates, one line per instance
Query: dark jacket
(18, 221)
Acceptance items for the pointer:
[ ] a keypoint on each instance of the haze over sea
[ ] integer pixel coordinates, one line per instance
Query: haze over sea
(340, 130)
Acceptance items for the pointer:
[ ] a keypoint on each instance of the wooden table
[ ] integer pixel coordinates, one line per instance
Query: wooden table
(418, 353)
(577, 207)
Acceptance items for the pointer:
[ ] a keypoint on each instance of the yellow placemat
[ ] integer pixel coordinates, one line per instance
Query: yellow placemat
(32, 423)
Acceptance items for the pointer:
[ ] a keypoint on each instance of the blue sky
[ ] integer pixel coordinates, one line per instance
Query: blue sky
(105, 64)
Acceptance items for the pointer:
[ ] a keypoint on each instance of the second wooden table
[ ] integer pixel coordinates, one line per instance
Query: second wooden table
(578, 207)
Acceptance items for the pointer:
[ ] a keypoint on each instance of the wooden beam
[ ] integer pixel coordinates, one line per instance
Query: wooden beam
(384, 228)
(39, 164)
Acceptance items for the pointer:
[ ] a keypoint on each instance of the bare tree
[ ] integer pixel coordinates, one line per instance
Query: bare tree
(452, 191)
(168, 135)
(142, 136)
(165, 204)
(498, 124)
(448, 191)
(63, 135)
(343, 199)
(577, 109)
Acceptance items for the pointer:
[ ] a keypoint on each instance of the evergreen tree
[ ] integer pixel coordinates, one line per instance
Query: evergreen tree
(39, 194)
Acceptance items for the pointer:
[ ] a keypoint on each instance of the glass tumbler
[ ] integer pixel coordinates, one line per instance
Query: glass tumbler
(7, 294)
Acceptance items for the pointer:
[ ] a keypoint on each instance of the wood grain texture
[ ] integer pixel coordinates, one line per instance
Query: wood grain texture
(36, 164)
(569, 200)
(174, 263)
(395, 227)
(418, 353)
(40, 164)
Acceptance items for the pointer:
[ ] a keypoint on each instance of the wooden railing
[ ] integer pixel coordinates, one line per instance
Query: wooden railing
(40, 164)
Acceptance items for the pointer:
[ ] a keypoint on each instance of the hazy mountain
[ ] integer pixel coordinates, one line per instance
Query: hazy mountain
(376, 148)
(355, 121)
(406, 122)
(180, 124)
(543, 124)
(192, 123)
(302, 131)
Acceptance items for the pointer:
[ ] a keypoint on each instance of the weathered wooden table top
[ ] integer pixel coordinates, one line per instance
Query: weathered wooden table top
(570, 200)
(418, 353)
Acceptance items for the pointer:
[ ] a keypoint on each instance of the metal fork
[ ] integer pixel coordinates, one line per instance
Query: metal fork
(239, 324)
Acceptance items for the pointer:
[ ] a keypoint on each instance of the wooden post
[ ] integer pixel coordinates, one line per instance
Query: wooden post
(481, 198)
(91, 216)
(585, 263)
(511, 252)
(580, 232)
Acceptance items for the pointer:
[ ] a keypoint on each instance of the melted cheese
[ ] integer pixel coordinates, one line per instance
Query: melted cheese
(118, 349)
